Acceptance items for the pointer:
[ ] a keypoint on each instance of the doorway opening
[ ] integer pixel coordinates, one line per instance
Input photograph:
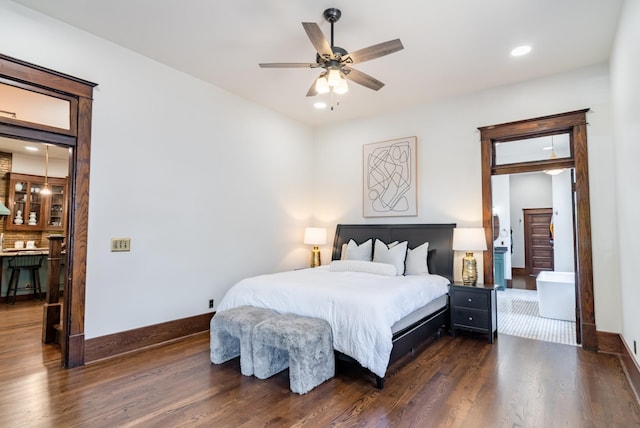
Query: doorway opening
(574, 125)
(71, 130)
(535, 213)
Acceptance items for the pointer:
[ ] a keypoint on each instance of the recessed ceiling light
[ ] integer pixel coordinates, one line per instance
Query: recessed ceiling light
(31, 148)
(320, 105)
(521, 50)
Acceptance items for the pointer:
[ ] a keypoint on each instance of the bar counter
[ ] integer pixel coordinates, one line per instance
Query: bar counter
(7, 254)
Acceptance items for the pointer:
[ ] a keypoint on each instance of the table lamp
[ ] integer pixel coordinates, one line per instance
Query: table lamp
(469, 240)
(315, 236)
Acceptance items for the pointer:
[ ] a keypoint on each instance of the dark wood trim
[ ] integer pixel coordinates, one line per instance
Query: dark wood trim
(533, 166)
(112, 345)
(609, 342)
(613, 343)
(23, 132)
(518, 271)
(631, 369)
(544, 125)
(78, 227)
(574, 123)
(23, 71)
(72, 341)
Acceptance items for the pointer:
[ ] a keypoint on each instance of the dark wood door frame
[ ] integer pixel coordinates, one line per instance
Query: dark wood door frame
(575, 124)
(80, 95)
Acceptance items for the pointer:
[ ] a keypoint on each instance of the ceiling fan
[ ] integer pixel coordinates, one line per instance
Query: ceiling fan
(336, 61)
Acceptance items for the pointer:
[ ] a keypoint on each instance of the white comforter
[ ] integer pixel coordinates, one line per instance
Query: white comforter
(360, 307)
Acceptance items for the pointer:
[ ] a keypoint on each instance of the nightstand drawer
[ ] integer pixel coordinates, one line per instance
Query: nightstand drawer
(471, 318)
(470, 299)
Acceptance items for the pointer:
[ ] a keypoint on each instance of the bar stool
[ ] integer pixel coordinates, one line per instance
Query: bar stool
(30, 262)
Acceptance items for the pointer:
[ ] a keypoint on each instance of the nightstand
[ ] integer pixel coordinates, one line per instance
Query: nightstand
(473, 307)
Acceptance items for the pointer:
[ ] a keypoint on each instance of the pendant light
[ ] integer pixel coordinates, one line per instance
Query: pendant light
(555, 171)
(45, 190)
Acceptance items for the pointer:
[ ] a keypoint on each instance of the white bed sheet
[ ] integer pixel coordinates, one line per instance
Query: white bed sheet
(360, 307)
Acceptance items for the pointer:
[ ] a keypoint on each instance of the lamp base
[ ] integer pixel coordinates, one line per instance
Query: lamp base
(315, 257)
(469, 269)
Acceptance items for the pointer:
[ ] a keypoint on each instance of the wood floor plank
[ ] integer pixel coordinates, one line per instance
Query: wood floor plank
(452, 382)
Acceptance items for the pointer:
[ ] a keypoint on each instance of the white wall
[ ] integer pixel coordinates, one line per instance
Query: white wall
(527, 191)
(563, 254)
(209, 187)
(625, 90)
(25, 164)
(449, 170)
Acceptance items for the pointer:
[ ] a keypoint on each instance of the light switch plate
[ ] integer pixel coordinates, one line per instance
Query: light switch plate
(120, 244)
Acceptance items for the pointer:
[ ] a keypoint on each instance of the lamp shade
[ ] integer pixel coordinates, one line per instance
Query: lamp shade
(469, 239)
(315, 235)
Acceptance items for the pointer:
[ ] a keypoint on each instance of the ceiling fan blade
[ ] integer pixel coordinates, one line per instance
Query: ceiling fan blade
(312, 90)
(362, 78)
(318, 40)
(372, 52)
(288, 65)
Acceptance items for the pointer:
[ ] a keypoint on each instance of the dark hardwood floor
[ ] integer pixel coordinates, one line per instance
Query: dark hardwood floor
(456, 382)
(523, 282)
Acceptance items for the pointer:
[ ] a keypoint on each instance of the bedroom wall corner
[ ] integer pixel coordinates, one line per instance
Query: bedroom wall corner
(625, 95)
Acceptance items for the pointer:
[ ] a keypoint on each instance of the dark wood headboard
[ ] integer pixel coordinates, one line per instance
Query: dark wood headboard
(439, 236)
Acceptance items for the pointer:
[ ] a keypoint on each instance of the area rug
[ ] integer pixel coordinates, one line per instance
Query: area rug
(518, 316)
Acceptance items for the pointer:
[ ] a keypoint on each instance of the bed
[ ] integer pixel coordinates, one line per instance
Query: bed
(394, 314)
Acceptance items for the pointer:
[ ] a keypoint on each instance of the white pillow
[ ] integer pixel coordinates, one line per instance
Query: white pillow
(394, 256)
(358, 252)
(362, 266)
(416, 263)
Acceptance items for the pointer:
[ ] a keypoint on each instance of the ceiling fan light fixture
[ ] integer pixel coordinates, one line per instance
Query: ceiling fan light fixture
(334, 77)
(342, 87)
(322, 85)
(336, 61)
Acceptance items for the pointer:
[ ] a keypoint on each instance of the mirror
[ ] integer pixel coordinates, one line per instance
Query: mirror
(496, 226)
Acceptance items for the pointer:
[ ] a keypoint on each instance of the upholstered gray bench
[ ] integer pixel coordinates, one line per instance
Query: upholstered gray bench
(303, 344)
(231, 332)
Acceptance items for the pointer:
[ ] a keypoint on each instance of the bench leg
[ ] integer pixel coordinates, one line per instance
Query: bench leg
(268, 360)
(306, 371)
(224, 346)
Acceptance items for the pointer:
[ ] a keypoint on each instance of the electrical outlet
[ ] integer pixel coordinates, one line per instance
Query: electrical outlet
(210, 303)
(120, 244)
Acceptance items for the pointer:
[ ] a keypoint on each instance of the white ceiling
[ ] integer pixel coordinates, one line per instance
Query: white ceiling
(451, 47)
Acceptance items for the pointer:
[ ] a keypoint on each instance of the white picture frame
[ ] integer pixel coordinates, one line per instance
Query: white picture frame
(390, 187)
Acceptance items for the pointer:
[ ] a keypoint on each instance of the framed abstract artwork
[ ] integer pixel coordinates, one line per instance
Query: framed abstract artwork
(390, 187)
